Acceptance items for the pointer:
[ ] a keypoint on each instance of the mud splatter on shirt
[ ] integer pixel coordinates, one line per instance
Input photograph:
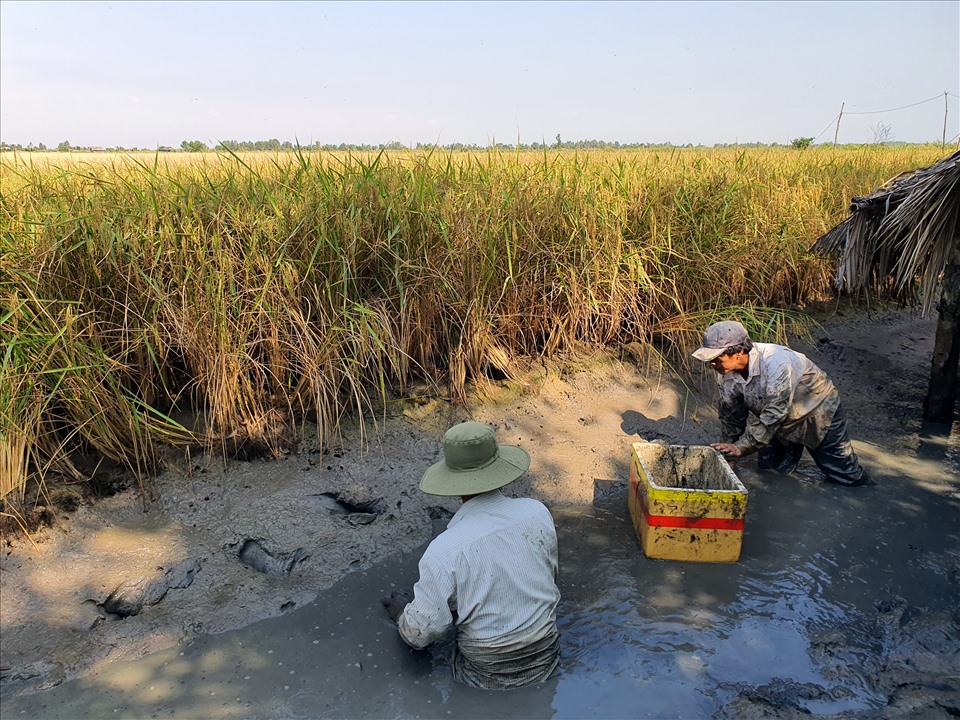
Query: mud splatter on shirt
(784, 394)
(492, 573)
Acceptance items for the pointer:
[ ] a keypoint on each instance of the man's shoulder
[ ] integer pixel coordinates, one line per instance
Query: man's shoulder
(770, 349)
(505, 512)
(526, 501)
(530, 505)
(773, 355)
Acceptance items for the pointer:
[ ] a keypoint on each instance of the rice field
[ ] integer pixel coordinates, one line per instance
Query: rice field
(257, 290)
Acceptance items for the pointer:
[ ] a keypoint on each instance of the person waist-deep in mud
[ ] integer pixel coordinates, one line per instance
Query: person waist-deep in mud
(776, 401)
(492, 573)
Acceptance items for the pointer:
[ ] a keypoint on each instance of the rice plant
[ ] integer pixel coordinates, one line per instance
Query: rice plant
(251, 291)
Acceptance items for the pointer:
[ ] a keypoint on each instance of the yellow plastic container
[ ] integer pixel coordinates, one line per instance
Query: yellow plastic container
(686, 503)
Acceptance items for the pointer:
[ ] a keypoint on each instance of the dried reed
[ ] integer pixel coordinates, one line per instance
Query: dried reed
(260, 289)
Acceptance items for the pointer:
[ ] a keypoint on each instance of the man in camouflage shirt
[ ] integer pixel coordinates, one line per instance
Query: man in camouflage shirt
(776, 401)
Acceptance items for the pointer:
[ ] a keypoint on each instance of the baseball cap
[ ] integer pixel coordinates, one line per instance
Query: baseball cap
(718, 337)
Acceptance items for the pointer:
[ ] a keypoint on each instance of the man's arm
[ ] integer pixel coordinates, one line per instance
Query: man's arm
(777, 401)
(733, 413)
(395, 603)
(426, 618)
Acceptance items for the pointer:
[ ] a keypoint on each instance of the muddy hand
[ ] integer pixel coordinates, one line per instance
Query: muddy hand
(729, 450)
(395, 603)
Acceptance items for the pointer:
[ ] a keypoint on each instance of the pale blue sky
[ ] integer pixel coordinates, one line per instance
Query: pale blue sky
(147, 74)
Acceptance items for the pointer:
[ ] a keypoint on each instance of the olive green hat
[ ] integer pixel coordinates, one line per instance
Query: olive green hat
(473, 462)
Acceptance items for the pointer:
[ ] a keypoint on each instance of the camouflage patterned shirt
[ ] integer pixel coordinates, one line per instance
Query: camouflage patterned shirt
(784, 394)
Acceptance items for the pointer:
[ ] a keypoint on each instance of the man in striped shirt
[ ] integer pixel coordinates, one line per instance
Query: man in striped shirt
(491, 573)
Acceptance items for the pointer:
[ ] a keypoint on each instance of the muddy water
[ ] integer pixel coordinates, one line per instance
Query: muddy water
(841, 597)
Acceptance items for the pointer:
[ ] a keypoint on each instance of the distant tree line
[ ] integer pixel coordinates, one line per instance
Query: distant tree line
(236, 145)
(65, 146)
(278, 146)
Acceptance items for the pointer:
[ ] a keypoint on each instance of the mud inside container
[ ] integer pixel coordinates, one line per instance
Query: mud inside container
(689, 467)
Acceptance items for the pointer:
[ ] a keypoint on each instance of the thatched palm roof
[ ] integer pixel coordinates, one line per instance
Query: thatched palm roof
(904, 231)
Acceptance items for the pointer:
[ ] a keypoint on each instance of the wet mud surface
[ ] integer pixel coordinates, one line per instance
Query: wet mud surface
(640, 638)
(845, 601)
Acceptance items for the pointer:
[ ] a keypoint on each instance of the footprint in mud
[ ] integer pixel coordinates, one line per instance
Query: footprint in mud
(34, 676)
(256, 557)
(356, 512)
(131, 596)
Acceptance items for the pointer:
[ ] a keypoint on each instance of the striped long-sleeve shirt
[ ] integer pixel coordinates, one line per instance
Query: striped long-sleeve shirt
(492, 573)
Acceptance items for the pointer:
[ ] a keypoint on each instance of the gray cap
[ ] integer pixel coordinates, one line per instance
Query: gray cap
(718, 337)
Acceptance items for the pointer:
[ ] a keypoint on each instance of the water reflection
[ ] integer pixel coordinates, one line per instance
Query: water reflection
(812, 619)
(661, 639)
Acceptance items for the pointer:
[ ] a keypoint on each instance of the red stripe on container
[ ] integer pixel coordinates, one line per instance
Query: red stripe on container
(680, 521)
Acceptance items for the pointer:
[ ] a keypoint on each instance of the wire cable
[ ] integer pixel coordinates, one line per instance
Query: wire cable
(829, 125)
(904, 107)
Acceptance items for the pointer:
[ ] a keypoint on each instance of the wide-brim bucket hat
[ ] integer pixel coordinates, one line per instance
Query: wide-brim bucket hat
(473, 462)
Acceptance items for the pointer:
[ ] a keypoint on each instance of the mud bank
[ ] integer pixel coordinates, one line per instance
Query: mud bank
(845, 602)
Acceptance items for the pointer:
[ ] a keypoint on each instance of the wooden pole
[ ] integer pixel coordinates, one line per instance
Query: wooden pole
(941, 399)
(943, 143)
(837, 131)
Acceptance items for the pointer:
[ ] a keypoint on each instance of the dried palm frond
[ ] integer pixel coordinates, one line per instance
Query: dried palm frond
(904, 231)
